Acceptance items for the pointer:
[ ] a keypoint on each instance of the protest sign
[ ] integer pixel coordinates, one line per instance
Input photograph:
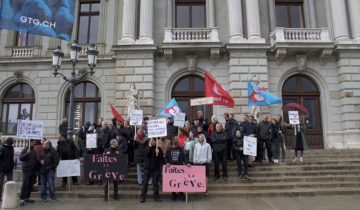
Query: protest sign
(179, 119)
(179, 178)
(250, 146)
(294, 117)
(157, 128)
(67, 168)
(91, 140)
(105, 167)
(201, 101)
(136, 117)
(27, 129)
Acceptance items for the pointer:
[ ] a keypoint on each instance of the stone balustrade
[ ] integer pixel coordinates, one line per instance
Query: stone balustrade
(20, 52)
(176, 35)
(301, 35)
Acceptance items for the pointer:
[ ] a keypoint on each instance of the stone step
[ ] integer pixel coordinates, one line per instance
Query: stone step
(218, 193)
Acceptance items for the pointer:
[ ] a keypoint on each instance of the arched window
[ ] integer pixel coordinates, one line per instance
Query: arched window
(18, 103)
(87, 103)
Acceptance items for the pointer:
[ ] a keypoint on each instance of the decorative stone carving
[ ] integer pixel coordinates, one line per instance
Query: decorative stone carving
(280, 54)
(168, 55)
(191, 62)
(18, 75)
(301, 62)
(325, 54)
(214, 56)
(133, 99)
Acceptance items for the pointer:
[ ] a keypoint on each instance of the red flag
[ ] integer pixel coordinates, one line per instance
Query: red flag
(214, 89)
(115, 113)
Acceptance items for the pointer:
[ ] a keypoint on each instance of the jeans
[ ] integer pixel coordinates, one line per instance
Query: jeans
(261, 149)
(244, 158)
(83, 148)
(138, 172)
(283, 148)
(155, 177)
(229, 151)
(116, 183)
(276, 148)
(45, 179)
(220, 157)
(27, 185)
(9, 177)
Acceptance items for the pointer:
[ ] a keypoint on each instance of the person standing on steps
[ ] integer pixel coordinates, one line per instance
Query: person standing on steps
(49, 160)
(282, 143)
(63, 127)
(29, 167)
(230, 127)
(153, 158)
(6, 162)
(112, 150)
(299, 140)
(219, 151)
(277, 131)
(190, 145)
(264, 137)
(249, 128)
(140, 140)
(67, 151)
(202, 155)
(240, 156)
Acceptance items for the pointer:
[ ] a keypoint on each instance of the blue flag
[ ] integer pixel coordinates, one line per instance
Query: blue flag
(261, 97)
(54, 18)
(170, 109)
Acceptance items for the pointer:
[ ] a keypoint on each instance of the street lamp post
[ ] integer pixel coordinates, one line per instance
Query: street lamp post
(58, 55)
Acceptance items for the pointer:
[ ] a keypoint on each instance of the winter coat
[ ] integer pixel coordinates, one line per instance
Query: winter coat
(122, 146)
(264, 130)
(121, 130)
(82, 134)
(152, 162)
(203, 123)
(175, 156)
(29, 160)
(301, 131)
(164, 144)
(172, 131)
(219, 141)
(67, 150)
(6, 158)
(249, 128)
(202, 153)
(111, 150)
(139, 146)
(275, 134)
(189, 146)
(238, 143)
(63, 129)
(104, 138)
(50, 158)
(230, 127)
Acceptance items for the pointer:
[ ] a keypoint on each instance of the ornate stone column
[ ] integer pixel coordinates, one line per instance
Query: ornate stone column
(312, 14)
(211, 4)
(354, 9)
(146, 22)
(235, 21)
(339, 18)
(253, 19)
(272, 15)
(128, 24)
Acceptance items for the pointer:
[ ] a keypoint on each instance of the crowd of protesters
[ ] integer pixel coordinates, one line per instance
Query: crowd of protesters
(199, 142)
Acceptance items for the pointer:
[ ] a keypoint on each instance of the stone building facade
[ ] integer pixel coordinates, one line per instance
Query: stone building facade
(304, 51)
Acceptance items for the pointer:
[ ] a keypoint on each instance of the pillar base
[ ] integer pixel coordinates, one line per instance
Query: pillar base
(126, 41)
(236, 39)
(145, 40)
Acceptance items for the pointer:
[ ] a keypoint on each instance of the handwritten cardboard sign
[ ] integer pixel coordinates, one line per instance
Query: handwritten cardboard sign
(105, 167)
(27, 129)
(250, 146)
(67, 168)
(294, 117)
(157, 128)
(136, 117)
(201, 101)
(179, 119)
(91, 140)
(180, 178)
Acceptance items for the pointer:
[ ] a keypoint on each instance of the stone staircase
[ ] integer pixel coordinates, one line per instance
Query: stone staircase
(323, 172)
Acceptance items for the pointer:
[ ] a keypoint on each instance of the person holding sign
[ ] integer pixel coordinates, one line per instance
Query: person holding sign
(238, 143)
(139, 146)
(202, 155)
(153, 158)
(67, 151)
(49, 160)
(219, 145)
(190, 145)
(113, 149)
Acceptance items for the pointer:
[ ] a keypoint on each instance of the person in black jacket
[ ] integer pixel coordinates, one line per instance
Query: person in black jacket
(104, 136)
(122, 144)
(219, 142)
(230, 127)
(49, 160)
(264, 131)
(172, 130)
(112, 150)
(176, 156)
(29, 167)
(6, 162)
(67, 150)
(63, 127)
(153, 158)
(130, 131)
(82, 136)
(239, 155)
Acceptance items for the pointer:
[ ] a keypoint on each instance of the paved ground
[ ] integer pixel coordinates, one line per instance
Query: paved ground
(306, 203)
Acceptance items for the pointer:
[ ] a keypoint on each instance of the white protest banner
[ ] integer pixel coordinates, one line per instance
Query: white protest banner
(201, 101)
(157, 128)
(91, 139)
(179, 119)
(27, 129)
(136, 117)
(294, 117)
(67, 168)
(250, 146)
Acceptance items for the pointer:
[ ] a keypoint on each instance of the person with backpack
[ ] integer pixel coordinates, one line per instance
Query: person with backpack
(6, 162)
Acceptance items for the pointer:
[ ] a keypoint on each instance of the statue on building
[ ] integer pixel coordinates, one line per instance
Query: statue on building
(191, 62)
(133, 99)
(301, 62)
(255, 110)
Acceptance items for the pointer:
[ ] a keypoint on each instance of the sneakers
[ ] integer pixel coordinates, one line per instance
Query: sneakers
(295, 159)
(53, 200)
(44, 200)
(276, 160)
(22, 202)
(142, 200)
(301, 159)
(206, 193)
(29, 200)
